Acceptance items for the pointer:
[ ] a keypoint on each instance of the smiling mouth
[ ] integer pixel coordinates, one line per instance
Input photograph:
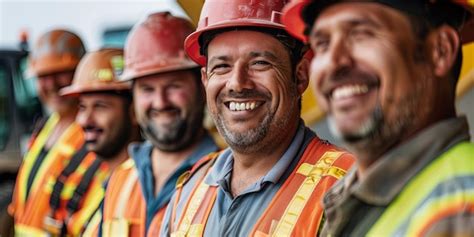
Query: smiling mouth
(243, 106)
(350, 90)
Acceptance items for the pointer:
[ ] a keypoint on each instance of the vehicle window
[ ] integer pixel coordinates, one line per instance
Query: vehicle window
(29, 106)
(115, 37)
(4, 106)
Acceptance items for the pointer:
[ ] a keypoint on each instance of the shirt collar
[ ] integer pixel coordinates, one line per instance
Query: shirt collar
(387, 177)
(224, 164)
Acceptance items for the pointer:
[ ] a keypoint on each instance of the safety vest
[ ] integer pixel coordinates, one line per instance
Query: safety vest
(125, 206)
(34, 215)
(418, 207)
(295, 210)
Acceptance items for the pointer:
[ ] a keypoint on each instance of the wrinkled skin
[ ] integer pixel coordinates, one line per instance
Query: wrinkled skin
(373, 76)
(243, 70)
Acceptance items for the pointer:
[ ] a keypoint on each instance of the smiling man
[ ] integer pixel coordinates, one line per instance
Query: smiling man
(169, 106)
(386, 72)
(271, 178)
(106, 115)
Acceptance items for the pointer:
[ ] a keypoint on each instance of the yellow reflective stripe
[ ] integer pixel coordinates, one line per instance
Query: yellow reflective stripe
(196, 230)
(32, 154)
(93, 224)
(90, 207)
(423, 216)
(128, 164)
(28, 231)
(59, 148)
(458, 158)
(313, 174)
(195, 203)
(336, 172)
(125, 193)
(116, 228)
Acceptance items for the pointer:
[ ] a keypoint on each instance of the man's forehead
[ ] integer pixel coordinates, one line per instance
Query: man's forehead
(243, 43)
(352, 14)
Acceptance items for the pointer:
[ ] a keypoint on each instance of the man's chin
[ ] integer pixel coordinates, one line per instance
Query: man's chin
(354, 135)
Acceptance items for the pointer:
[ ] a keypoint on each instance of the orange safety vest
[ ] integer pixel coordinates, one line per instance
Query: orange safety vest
(125, 206)
(295, 210)
(30, 213)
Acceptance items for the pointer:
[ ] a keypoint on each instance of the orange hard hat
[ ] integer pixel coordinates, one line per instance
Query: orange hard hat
(295, 23)
(55, 51)
(98, 72)
(218, 14)
(156, 46)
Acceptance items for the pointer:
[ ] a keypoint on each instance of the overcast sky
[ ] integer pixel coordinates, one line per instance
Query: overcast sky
(86, 17)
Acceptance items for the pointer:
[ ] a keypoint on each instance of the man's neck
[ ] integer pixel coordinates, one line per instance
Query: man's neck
(117, 160)
(164, 163)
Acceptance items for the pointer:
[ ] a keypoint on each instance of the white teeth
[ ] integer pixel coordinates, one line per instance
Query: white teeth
(349, 90)
(235, 106)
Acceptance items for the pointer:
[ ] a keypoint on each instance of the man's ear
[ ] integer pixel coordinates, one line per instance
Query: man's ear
(204, 78)
(445, 44)
(302, 75)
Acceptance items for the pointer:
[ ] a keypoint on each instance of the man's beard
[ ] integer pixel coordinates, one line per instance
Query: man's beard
(116, 143)
(377, 134)
(174, 136)
(253, 139)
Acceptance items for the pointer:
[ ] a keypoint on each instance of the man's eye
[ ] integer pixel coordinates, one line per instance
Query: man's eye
(82, 107)
(361, 33)
(260, 64)
(220, 68)
(320, 45)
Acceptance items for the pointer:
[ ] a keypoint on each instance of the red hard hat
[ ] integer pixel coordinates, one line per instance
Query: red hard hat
(218, 14)
(98, 71)
(295, 25)
(156, 46)
(55, 51)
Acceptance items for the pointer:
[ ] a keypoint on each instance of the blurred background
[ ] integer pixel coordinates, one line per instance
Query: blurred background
(106, 23)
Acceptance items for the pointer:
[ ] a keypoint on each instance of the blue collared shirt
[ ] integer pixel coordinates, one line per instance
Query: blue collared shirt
(236, 216)
(141, 154)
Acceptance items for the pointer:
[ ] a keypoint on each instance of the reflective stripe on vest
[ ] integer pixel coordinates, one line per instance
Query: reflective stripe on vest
(119, 219)
(90, 202)
(418, 207)
(296, 201)
(30, 158)
(28, 214)
(92, 229)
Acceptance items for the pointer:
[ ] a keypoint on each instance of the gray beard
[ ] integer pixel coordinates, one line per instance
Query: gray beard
(169, 138)
(245, 141)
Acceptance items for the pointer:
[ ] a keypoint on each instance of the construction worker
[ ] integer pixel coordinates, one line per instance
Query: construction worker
(386, 72)
(58, 175)
(271, 178)
(169, 105)
(106, 116)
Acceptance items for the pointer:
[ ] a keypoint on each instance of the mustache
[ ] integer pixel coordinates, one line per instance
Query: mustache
(91, 128)
(167, 109)
(351, 73)
(245, 93)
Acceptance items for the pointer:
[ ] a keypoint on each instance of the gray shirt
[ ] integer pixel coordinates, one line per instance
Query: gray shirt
(236, 216)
